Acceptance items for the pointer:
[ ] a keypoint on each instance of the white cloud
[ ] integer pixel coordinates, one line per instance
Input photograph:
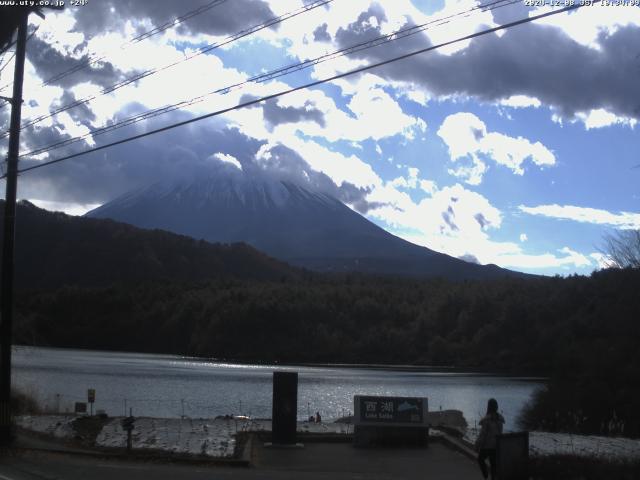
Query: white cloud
(600, 260)
(67, 125)
(462, 132)
(450, 220)
(467, 138)
(601, 118)
(414, 182)
(367, 107)
(622, 220)
(226, 158)
(70, 208)
(370, 106)
(444, 31)
(575, 258)
(472, 172)
(416, 95)
(520, 101)
(565, 258)
(512, 152)
(340, 168)
(459, 222)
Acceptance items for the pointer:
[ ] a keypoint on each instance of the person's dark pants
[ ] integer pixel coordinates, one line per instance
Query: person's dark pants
(491, 455)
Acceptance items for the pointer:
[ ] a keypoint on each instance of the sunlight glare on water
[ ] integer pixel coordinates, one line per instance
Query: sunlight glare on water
(172, 386)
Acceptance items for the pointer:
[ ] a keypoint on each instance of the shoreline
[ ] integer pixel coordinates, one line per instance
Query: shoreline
(445, 370)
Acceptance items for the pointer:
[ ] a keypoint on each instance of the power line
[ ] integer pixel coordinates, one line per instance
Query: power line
(305, 86)
(9, 45)
(137, 39)
(381, 40)
(165, 26)
(147, 73)
(8, 62)
(403, 33)
(4, 55)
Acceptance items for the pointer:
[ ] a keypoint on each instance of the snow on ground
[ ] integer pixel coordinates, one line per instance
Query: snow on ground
(58, 426)
(216, 437)
(211, 437)
(545, 443)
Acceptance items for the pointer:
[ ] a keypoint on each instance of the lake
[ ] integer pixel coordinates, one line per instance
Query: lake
(173, 386)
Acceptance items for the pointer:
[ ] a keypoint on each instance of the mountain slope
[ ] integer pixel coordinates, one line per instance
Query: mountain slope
(54, 249)
(286, 221)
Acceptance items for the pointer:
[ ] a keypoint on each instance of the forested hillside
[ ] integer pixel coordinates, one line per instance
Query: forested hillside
(54, 249)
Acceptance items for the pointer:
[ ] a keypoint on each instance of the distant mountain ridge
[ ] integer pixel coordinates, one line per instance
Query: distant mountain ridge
(54, 249)
(286, 221)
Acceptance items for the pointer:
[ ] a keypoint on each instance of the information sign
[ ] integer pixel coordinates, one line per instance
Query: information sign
(393, 410)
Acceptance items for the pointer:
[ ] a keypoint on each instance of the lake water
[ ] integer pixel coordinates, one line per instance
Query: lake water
(172, 386)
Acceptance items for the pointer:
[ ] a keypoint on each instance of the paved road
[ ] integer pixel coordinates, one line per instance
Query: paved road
(340, 460)
(316, 461)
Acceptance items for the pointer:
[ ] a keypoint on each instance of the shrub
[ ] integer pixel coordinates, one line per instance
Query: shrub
(23, 403)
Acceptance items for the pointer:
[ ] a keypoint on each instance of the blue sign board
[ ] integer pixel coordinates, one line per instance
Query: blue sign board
(397, 410)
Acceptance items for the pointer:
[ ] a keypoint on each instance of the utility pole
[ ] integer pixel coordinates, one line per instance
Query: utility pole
(6, 290)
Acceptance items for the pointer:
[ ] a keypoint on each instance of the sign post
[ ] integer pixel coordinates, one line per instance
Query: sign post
(91, 398)
(80, 407)
(127, 426)
(390, 420)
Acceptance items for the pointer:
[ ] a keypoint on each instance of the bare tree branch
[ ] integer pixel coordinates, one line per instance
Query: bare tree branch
(622, 249)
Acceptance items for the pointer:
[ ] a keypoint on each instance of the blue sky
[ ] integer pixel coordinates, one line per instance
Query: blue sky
(519, 148)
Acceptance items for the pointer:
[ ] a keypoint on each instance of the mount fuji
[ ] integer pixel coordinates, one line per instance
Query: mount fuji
(290, 222)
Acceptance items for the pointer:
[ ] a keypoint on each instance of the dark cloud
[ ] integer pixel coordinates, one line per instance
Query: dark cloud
(49, 62)
(449, 218)
(80, 114)
(355, 196)
(362, 29)
(467, 257)
(37, 136)
(320, 34)
(481, 219)
(536, 60)
(275, 115)
(229, 17)
(103, 175)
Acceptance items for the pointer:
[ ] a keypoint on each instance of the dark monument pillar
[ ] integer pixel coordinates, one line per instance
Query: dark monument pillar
(285, 408)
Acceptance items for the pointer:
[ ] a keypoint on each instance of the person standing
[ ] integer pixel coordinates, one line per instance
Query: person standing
(491, 426)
